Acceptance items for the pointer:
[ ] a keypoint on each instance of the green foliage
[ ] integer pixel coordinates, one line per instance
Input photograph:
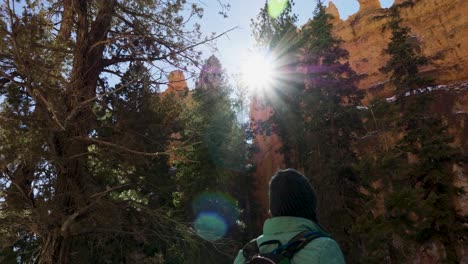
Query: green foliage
(275, 32)
(83, 164)
(410, 184)
(325, 62)
(414, 181)
(330, 119)
(316, 119)
(217, 157)
(210, 127)
(404, 61)
(418, 190)
(318, 30)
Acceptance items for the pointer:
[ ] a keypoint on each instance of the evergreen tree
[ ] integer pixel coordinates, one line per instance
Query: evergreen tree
(320, 82)
(330, 119)
(416, 188)
(415, 177)
(275, 32)
(215, 165)
(404, 62)
(76, 174)
(316, 116)
(325, 62)
(277, 36)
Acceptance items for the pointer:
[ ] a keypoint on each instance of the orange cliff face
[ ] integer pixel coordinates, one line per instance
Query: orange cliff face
(368, 4)
(177, 84)
(268, 159)
(439, 29)
(177, 88)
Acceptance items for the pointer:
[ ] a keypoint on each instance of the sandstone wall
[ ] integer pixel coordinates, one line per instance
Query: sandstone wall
(439, 29)
(267, 160)
(176, 90)
(177, 84)
(450, 103)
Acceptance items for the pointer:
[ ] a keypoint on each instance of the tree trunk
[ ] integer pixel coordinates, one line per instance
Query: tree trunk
(69, 145)
(55, 248)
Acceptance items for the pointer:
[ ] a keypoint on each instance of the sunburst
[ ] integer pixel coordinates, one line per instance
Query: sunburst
(258, 72)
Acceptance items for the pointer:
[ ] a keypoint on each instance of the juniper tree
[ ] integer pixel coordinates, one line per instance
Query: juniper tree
(57, 62)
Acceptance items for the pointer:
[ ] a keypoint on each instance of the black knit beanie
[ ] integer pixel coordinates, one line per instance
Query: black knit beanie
(291, 194)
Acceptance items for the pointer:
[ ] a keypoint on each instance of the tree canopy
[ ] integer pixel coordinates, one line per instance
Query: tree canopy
(85, 134)
(100, 164)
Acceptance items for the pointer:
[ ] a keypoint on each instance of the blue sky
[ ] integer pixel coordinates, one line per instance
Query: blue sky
(233, 49)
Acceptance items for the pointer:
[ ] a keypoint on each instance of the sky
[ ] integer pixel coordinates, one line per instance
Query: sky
(233, 48)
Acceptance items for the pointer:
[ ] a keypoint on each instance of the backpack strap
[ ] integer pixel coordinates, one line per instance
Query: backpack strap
(297, 243)
(250, 249)
(270, 242)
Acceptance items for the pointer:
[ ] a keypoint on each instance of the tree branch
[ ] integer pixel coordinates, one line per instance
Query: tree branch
(94, 199)
(126, 149)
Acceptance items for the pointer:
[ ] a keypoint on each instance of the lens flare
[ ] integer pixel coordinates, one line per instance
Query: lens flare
(210, 226)
(215, 214)
(276, 7)
(258, 72)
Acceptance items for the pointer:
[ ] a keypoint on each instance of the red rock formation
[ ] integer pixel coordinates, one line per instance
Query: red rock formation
(332, 10)
(177, 84)
(368, 4)
(440, 29)
(450, 103)
(268, 159)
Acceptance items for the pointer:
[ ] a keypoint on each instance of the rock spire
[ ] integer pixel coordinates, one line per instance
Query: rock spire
(369, 4)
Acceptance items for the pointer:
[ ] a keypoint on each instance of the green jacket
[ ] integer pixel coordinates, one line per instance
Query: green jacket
(283, 228)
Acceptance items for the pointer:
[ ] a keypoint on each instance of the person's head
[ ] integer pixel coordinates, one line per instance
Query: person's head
(291, 194)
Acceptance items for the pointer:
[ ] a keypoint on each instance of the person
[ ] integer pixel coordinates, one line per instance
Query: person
(293, 204)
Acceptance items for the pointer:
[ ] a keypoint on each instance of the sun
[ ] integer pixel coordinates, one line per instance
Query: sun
(258, 72)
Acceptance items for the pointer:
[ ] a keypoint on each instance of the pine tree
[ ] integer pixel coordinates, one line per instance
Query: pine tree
(275, 32)
(416, 175)
(327, 104)
(325, 61)
(215, 164)
(315, 115)
(405, 62)
(416, 193)
(210, 124)
(276, 36)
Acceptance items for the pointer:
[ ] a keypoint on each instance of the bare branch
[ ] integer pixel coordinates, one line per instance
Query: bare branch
(104, 193)
(49, 109)
(93, 200)
(148, 58)
(126, 149)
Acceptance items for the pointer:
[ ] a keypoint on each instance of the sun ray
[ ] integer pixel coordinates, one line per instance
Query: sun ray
(258, 72)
